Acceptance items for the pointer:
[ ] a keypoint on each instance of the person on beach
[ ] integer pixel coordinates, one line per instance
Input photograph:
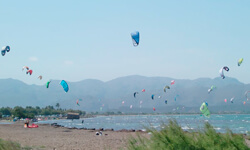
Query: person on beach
(26, 124)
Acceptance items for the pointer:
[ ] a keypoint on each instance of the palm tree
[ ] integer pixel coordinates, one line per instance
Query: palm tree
(57, 105)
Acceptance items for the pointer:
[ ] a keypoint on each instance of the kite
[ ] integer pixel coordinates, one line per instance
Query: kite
(246, 94)
(25, 67)
(211, 89)
(29, 72)
(40, 77)
(204, 110)
(64, 85)
(221, 71)
(152, 96)
(135, 38)
(232, 100)
(135, 94)
(5, 49)
(166, 87)
(240, 61)
(47, 84)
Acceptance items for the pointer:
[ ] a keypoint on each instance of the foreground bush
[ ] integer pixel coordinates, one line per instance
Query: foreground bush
(172, 137)
(7, 145)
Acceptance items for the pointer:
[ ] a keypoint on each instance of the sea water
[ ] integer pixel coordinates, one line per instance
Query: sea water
(238, 123)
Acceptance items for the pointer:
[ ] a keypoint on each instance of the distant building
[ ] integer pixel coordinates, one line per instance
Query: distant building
(73, 116)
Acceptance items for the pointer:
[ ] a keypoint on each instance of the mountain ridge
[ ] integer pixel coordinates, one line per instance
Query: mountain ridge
(97, 94)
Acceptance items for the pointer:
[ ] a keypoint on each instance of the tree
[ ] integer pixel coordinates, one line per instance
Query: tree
(6, 111)
(19, 112)
(57, 105)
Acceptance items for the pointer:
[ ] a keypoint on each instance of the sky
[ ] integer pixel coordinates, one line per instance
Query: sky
(78, 40)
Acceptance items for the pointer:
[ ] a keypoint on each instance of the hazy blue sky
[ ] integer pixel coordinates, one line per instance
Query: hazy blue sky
(77, 40)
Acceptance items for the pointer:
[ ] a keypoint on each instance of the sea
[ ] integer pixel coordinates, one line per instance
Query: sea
(237, 123)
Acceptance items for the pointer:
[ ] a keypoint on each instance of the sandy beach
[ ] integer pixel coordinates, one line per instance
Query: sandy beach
(51, 138)
(47, 137)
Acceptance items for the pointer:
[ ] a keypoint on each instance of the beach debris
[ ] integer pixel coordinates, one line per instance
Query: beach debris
(166, 87)
(135, 38)
(172, 82)
(240, 61)
(5, 49)
(204, 110)
(221, 71)
(65, 86)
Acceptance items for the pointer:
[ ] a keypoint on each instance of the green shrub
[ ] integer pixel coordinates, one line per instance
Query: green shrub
(8, 145)
(172, 137)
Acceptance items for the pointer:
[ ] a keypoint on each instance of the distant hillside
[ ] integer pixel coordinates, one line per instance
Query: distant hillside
(109, 95)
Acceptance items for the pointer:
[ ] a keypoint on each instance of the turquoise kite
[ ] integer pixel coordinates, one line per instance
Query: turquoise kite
(64, 85)
(47, 84)
(175, 97)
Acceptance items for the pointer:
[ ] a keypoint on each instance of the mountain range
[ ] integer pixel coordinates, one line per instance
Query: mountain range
(97, 95)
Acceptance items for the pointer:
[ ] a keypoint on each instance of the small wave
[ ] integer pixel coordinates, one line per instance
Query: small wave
(186, 128)
(219, 116)
(217, 128)
(154, 126)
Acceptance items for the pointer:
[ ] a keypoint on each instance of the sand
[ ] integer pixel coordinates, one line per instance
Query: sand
(51, 138)
(47, 137)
